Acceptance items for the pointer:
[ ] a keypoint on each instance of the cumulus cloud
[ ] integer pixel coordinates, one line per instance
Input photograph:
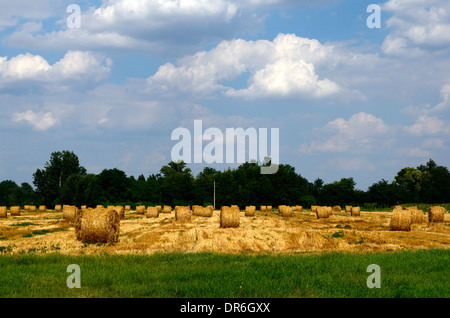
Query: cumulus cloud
(428, 125)
(284, 67)
(74, 66)
(416, 25)
(361, 132)
(40, 120)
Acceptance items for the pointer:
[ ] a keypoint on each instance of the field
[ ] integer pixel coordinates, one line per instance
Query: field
(267, 232)
(267, 256)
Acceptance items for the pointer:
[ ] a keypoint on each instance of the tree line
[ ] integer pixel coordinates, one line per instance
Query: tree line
(63, 180)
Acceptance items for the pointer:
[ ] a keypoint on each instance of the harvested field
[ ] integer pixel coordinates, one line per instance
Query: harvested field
(267, 232)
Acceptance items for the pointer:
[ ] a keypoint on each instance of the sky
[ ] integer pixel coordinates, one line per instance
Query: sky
(348, 100)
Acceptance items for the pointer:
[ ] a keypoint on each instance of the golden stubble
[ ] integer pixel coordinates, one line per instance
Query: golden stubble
(266, 232)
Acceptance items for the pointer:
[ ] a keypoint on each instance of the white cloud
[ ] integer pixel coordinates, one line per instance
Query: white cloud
(358, 134)
(284, 67)
(428, 125)
(416, 25)
(74, 66)
(40, 121)
(413, 152)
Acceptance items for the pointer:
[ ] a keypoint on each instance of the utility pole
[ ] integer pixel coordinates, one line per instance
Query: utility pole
(214, 194)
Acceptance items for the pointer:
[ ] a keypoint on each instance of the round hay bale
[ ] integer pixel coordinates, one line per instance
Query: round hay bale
(152, 212)
(285, 211)
(42, 208)
(33, 208)
(127, 208)
(356, 211)
(121, 211)
(77, 222)
(140, 209)
(3, 212)
(250, 210)
(83, 207)
(26, 207)
(329, 210)
(398, 207)
(416, 216)
(14, 211)
(436, 214)
(314, 208)
(269, 208)
(337, 208)
(159, 208)
(322, 212)
(229, 217)
(183, 214)
(69, 212)
(167, 209)
(263, 208)
(298, 208)
(348, 208)
(58, 208)
(202, 211)
(401, 220)
(100, 206)
(99, 226)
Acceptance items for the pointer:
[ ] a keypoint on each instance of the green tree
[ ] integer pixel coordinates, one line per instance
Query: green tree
(50, 180)
(176, 183)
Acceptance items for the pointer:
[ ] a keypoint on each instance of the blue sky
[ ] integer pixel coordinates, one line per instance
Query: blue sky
(349, 101)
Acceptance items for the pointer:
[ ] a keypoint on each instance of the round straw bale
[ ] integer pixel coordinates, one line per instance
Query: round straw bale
(401, 220)
(229, 217)
(140, 209)
(26, 207)
(14, 211)
(33, 208)
(356, 211)
(285, 211)
(127, 208)
(314, 208)
(121, 211)
(58, 208)
(263, 208)
(84, 207)
(398, 207)
(159, 208)
(329, 210)
(77, 222)
(250, 210)
(337, 208)
(99, 226)
(69, 212)
(269, 208)
(183, 214)
(167, 209)
(436, 214)
(416, 216)
(298, 208)
(348, 208)
(3, 212)
(152, 212)
(100, 206)
(322, 212)
(42, 208)
(202, 211)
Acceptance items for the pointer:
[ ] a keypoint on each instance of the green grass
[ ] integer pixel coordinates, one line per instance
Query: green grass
(23, 224)
(403, 274)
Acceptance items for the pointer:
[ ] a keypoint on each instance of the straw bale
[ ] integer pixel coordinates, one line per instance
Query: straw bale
(121, 211)
(183, 214)
(14, 211)
(250, 210)
(69, 212)
(356, 211)
(99, 226)
(436, 214)
(401, 220)
(322, 212)
(167, 209)
(3, 212)
(152, 212)
(229, 217)
(140, 209)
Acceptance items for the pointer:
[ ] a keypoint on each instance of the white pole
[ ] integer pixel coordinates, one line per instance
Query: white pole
(214, 195)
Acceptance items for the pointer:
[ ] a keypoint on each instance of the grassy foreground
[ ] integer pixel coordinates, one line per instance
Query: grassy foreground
(423, 273)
